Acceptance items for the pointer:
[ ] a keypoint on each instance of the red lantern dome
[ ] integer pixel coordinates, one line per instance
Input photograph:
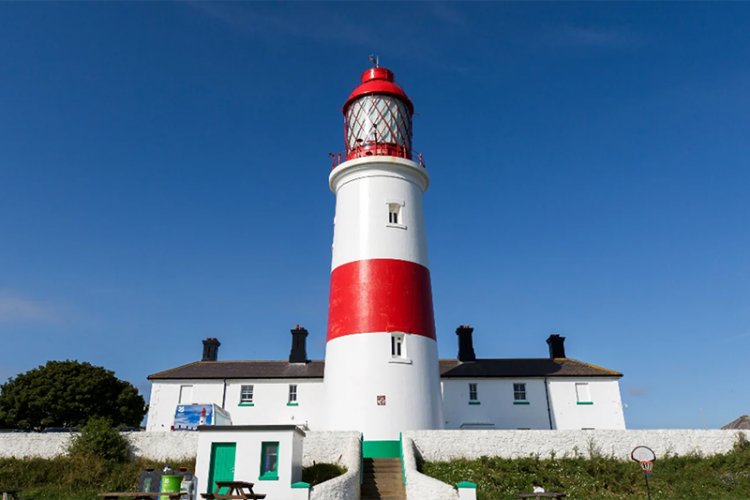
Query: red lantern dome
(378, 117)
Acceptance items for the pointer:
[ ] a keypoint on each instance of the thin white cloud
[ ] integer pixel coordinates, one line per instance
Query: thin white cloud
(17, 309)
(594, 37)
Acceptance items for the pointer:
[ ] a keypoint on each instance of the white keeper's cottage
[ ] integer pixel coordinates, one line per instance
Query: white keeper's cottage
(554, 392)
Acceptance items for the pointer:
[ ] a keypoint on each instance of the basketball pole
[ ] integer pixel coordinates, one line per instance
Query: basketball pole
(648, 489)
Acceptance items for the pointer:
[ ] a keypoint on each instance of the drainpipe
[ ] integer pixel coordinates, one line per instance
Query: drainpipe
(224, 396)
(549, 409)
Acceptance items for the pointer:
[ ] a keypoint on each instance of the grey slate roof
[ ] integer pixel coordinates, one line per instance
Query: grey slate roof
(449, 368)
(742, 422)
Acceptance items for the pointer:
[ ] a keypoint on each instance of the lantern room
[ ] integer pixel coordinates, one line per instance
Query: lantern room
(377, 117)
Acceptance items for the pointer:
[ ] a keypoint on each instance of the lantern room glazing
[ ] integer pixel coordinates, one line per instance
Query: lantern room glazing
(378, 117)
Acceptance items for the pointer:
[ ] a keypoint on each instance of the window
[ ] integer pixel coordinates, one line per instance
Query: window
(519, 392)
(583, 395)
(394, 210)
(292, 395)
(269, 461)
(473, 394)
(246, 395)
(186, 395)
(397, 345)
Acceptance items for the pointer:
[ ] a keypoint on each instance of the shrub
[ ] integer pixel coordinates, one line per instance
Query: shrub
(98, 438)
(318, 473)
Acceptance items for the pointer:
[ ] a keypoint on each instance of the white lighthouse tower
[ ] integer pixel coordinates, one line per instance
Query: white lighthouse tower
(381, 369)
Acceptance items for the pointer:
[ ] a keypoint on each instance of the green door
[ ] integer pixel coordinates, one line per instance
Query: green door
(221, 467)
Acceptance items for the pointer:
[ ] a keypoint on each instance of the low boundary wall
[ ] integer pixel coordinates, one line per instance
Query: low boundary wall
(331, 447)
(441, 446)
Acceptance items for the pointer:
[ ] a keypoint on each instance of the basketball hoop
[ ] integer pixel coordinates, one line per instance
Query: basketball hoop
(645, 456)
(647, 466)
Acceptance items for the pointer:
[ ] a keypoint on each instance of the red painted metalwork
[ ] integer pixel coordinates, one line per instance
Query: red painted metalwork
(378, 117)
(380, 295)
(378, 81)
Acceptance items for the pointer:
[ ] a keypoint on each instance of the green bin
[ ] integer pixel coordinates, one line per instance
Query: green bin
(170, 484)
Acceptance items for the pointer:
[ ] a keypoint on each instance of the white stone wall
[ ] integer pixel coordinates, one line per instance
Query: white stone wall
(418, 485)
(346, 486)
(156, 446)
(270, 398)
(328, 447)
(448, 445)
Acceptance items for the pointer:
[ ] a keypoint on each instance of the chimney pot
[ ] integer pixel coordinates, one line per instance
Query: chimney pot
(211, 349)
(465, 343)
(556, 345)
(298, 354)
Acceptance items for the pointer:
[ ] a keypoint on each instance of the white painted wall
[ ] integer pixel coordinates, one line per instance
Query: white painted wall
(448, 445)
(247, 459)
(347, 485)
(605, 412)
(420, 486)
(328, 447)
(363, 188)
(269, 401)
(165, 396)
(496, 408)
(360, 367)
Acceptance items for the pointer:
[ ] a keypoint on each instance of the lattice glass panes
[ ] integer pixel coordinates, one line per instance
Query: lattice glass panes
(378, 118)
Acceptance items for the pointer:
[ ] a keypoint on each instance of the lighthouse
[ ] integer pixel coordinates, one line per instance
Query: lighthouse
(381, 364)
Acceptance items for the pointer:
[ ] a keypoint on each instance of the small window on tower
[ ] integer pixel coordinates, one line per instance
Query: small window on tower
(519, 392)
(394, 211)
(397, 345)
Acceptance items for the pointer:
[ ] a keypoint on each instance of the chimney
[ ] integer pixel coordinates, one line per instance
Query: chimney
(211, 349)
(298, 354)
(465, 343)
(556, 345)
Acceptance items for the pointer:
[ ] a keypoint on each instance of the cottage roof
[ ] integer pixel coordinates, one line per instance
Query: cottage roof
(449, 368)
(742, 422)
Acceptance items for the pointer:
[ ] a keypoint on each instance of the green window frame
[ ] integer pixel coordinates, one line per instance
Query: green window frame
(247, 393)
(269, 461)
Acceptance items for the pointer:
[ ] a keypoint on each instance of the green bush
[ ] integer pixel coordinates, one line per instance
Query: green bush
(99, 439)
(318, 473)
(75, 477)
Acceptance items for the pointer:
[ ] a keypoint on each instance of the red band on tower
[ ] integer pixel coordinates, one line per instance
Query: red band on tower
(380, 295)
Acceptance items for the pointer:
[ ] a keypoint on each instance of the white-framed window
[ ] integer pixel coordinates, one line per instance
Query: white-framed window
(583, 393)
(246, 394)
(394, 213)
(473, 393)
(398, 349)
(292, 394)
(186, 395)
(519, 391)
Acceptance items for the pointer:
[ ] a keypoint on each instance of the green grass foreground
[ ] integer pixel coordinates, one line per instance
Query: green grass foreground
(685, 477)
(79, 478)
(75, 478)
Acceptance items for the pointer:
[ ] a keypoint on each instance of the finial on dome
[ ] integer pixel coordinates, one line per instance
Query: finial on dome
(374, 60)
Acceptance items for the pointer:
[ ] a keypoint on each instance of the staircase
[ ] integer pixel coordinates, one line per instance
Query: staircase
(382, 479)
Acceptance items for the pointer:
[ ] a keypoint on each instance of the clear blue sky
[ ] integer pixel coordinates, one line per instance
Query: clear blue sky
(163, 178)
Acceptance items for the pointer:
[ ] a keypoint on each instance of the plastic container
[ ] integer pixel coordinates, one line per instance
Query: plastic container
(170, 484)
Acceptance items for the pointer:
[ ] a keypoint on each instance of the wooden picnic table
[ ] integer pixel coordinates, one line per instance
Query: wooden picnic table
(239, 490)
(540, 495)
(140, 495)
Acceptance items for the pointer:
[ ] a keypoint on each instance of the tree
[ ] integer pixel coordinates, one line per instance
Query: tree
(68, 394)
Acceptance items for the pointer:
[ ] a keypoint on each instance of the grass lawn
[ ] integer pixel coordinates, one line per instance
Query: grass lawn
(686, 477)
